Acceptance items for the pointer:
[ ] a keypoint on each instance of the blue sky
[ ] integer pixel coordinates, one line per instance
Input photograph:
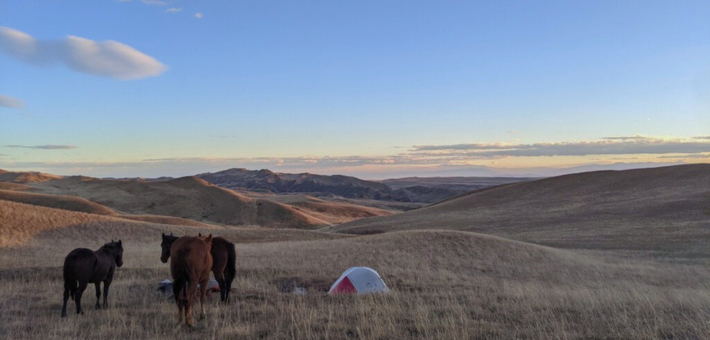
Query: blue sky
(370, 88)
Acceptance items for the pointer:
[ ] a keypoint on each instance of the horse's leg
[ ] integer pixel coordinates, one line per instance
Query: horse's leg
(203, 295)
(77, 297)
(66, 298)
(219, 276)
(98, 294)
(177, 291)
(228, 283)
(107, 283)
(191, 291)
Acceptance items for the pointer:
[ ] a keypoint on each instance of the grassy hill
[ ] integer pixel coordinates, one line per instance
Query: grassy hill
(445, 285)
(25, 177)
(665, 210)
(187, 197)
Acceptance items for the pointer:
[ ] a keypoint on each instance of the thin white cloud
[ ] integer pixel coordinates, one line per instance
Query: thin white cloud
(154, 2)
(605, 146)
(173, 10)
(449, 160)
(10, 102)
(42, 147)
(199, 15)
(108, 58)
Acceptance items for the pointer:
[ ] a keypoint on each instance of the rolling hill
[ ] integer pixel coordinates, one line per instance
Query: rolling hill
(25, 177)
(345, 186)
(187, 197)
(666, 210)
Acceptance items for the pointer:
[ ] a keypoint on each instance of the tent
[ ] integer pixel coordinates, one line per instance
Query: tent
(358, 280)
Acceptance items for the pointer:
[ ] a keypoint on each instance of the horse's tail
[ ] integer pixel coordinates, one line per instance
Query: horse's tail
(231, 269)
(70, 283)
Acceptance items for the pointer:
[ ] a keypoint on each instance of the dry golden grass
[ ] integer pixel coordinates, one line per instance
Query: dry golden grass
(662, 210)
(445, 285)
(21, 223)
(188, 198)
(14, 186)
(26, 177)
(71, 203)
(328, 211)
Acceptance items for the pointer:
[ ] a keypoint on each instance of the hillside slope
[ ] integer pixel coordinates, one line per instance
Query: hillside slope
(662, 209)
(344, 186)
(25, 177)
(187, 197)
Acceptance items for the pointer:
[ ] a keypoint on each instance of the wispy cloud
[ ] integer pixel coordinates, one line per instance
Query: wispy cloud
(605, 146)
(154, 2)
(108, 58)
(149, 2)
(42, 147)
(13, 103)
(690, 156)
(199, 15)
(173, 10)
(460, 159)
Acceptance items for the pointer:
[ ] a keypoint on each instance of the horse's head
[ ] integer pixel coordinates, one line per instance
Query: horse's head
(165, 245)
(116, 250)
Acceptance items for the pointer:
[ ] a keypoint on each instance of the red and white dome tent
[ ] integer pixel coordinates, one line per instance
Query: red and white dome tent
(358, 280)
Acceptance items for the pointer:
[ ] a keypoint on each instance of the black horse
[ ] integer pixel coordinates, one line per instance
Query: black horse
(83, 266)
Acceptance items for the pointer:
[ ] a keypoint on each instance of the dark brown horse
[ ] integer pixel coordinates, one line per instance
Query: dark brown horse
(224, 262)
(224, 265)
(190, 264)
(83, 266)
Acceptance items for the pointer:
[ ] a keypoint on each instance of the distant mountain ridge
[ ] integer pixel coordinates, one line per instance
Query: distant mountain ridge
(345, 186)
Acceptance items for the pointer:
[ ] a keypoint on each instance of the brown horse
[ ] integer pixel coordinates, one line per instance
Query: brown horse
(224, 258)
(84, 266)
(224, 265)
(190, 264)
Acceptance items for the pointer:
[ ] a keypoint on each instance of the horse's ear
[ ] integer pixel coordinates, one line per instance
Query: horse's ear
(171, 234)
(199, 235)
(209, 239)
(163, 235)
(120, 243)
(111, 240)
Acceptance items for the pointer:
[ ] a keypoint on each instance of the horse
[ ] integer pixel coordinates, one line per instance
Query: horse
(84, 266)
(190, 264)
(224, 265)
(224, 258)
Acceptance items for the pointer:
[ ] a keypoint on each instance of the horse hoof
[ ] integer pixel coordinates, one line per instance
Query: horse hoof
(64, 315)
(98, 307)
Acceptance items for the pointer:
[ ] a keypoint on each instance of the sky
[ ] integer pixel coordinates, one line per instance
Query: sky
(375, 89)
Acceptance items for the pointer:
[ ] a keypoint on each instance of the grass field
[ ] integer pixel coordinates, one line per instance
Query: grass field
(445, 284)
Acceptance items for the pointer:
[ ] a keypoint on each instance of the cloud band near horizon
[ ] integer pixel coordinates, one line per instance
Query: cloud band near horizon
(42, 147)
(606, 146)
(423, 156)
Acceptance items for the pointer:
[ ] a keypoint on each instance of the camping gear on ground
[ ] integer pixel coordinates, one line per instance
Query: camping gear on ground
(166, 286)
(359, 280)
